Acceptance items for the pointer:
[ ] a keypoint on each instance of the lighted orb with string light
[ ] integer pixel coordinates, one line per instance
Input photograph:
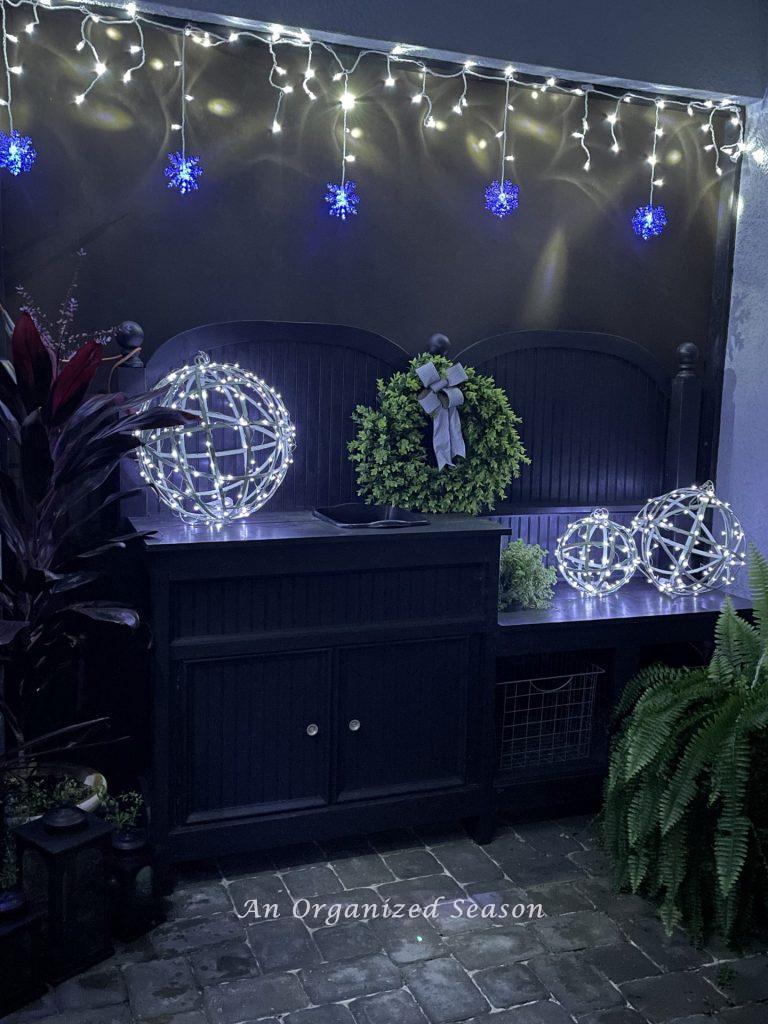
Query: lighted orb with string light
(502, 197)
(596, 555)
(689, 541)
(230, 462)
(649, 221)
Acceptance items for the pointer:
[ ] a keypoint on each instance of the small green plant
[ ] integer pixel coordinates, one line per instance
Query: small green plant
(685, 818)
(392, 452)
(123, 811)
(29, 797)
(524, 580)
(8, 874)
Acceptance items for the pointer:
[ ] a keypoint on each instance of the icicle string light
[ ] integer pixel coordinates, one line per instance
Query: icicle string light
(17, 153)
(405, 56)
(183, 170)
(342, 197)
(503, 196)
(649, 221)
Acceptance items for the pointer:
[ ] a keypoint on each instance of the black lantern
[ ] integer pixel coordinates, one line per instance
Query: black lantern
(64, 866)
(21, 956)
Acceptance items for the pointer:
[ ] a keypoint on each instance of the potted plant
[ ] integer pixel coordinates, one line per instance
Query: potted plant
(524, 580)
(124, 812)
(685, 817)
(68, 446)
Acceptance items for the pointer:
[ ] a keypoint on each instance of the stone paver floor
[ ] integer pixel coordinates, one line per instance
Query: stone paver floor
(298, 955)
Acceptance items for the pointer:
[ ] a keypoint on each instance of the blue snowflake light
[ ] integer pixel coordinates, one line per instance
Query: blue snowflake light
(502, 197)
(17, 153)
(182, 172)
(649, 221)
(342, 199)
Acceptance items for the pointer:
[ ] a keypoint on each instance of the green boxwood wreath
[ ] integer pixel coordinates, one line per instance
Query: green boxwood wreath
(393, 457)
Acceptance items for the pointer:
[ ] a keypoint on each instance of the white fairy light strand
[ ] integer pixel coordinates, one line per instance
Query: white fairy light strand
(653, 159)
(400, 53)
(8, 101)
(503, 134)
(582, 135)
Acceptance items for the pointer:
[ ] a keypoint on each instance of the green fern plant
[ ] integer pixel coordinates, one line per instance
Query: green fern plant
(685, 817)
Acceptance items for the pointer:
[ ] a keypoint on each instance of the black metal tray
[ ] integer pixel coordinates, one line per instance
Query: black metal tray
(374, 517)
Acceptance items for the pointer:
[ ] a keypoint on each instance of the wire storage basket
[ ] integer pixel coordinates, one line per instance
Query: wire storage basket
(545, 716)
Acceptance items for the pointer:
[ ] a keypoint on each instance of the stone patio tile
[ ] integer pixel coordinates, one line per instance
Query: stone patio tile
(195, 872)
(534, 1013)
(102, 986)
(466, 862)
(749, 982)
(347, 941)
(296, 855)
(394, 839)
(350, 978)
(396, 1007)
(622, 962)
(528, 866)
(198, 900)
(673, 953)
(368, 869)
(421, 891)
(333, 1013)
(226, 961)
(547, 837)
(755, 1013)
(456, 917)
(190, 1017)
(593, 862)
(409, 940)
(448, 832)
(95, 1015)
(254, 998)
(239, 865)
(581, 930)
(509, 985)
(558, 898)
(311, 880)
(619, 1015)
(337, 907)
(602, 893)
(36, 1010)
(161, 987)
(496, 948)
(181, 937)
(444, 990)
(411, 863)
(282, 945)
(346, 846)
(266, 889)
(672, 995)
(575, 983)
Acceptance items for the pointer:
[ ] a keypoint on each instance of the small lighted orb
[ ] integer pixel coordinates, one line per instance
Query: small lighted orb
(182, 172)
(342, 199)
(228, 463)
(649, 221)
(501, 198)
(689, 540)
(597, 555)
(17, 154)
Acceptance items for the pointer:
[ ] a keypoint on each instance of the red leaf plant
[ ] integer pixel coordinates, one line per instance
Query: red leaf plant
(68, 445)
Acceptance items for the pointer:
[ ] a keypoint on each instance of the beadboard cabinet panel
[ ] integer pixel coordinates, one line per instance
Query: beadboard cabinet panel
(253, 734)
(402, 729)
(312, 600)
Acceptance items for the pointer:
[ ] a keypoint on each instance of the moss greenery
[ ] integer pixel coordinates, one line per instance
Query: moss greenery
(685, 818)
(393, 457)
(524, 580)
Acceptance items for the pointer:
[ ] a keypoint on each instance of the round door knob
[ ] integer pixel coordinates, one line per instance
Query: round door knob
(354, 725)
(312, 729)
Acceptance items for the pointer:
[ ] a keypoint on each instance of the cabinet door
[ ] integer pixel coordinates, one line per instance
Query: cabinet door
(403, 717)
(253, 735)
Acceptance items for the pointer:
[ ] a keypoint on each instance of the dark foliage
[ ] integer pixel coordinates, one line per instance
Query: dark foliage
(68, 446)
